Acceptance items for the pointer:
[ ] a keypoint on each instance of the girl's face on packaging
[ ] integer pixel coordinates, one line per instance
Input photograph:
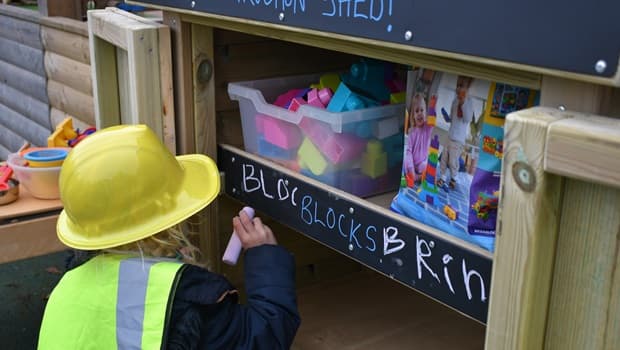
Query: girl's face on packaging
(419, 112)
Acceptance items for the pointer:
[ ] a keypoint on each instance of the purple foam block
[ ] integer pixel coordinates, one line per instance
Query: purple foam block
(233, 249)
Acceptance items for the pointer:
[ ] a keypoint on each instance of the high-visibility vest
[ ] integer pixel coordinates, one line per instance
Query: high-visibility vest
(111, 302)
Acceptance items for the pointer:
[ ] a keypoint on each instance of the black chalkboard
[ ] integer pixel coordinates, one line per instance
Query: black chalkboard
(432, 265)
(564, 35)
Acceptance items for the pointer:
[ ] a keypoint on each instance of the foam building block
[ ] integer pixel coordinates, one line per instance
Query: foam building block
(345, 100)
(310, 157)
(319, 98)
(284, 99)
(336, 147)
(386, 127)
(368, 77)
(268, 149)
(393, 146)
(329, 178)
(280, 133)
(396, 85)
(296, 103)
(260, 122)
(374, 160)
(398, 97)
(329, 80)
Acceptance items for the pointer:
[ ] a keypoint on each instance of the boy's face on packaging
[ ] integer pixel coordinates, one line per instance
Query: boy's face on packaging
(462, 85)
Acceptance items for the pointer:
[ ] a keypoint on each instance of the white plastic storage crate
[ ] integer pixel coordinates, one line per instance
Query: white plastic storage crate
(358, 151)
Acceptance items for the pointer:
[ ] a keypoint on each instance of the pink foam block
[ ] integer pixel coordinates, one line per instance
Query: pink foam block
(284, 99)
(314, 100)
(296, 103)
(335, 147)
(325, 95)
(281, 133)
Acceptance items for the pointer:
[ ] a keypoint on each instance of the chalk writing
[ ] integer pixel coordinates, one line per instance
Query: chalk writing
(293, 5)
(365, 9)
(346, 226)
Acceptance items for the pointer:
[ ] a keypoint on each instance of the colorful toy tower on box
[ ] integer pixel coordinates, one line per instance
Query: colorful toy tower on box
(437, 186)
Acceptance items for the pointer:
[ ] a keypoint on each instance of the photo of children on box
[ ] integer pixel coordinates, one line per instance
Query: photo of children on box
(453, 152)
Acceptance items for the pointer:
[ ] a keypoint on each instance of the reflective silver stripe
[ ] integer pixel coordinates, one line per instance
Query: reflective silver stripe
(133, 276)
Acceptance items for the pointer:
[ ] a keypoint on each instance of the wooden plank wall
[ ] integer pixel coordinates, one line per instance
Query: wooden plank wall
(24, 108)
(238, 57)
(67, 66)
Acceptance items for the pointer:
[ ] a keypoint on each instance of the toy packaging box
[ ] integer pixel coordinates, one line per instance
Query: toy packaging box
(453, 151)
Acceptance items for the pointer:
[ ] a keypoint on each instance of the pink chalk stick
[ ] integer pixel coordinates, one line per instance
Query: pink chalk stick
(233, 249)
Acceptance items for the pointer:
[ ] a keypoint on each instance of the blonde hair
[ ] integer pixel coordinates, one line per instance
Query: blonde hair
(418, 96)
(173, 242)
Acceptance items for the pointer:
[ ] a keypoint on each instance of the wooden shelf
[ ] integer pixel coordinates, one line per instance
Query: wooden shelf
(449, 270)
(367, 311)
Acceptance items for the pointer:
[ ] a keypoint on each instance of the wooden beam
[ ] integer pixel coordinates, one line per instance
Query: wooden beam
(22, 31)
(25, 105)
(24, 80)
(585, 147)
(67, 25)
(105, 88)
(29, 238)
(526, 236)
(183, 87)
(22, 56)
(71, 101)
(68, 44)
(21, 125)
(584, 312)
(68, 72)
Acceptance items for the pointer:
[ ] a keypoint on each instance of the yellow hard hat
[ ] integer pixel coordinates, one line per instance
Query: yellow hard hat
(121, 184)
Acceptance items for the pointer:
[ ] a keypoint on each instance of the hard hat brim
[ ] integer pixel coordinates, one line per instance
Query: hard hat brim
(201, 185)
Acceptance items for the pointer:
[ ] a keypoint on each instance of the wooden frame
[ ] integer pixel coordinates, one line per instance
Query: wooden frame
(556, 258)
(138, 50)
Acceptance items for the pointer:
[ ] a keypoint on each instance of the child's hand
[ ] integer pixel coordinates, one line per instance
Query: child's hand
(252, 233)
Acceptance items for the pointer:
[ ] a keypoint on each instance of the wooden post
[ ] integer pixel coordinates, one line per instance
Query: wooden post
(133, 51)
(205, 130)
(555, 280)
(526, 235)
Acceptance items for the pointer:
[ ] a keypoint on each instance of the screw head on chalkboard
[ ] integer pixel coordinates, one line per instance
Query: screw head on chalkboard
(281, 16)
(193, 4)
(408, 35)
(600, 66)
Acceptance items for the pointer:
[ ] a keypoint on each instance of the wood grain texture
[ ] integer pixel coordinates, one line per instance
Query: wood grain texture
(105, 81)
(69, 72)
(22, 13)
(65, 24)
(584, 312)
(205, 130)
(15, 123)
(585, 147)
(25, 105)
(367, 311)
(21, 31)
(71, 101)
(28, 239)
(24, 80)
(22, 56)
(526, 237)
(68, 44)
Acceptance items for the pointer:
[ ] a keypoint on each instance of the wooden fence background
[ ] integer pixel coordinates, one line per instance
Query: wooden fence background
(44, 76)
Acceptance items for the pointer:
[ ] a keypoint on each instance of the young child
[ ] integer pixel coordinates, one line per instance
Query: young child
(419, 136)
(127, 200)
(461, 114)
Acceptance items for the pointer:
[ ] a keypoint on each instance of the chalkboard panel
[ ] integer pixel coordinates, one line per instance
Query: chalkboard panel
(430, 264)
(563, 35)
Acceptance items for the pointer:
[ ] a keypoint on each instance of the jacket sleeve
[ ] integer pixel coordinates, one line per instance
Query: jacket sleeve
(269, 319)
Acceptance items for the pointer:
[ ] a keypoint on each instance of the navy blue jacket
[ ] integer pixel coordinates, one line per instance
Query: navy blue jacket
(269, 319)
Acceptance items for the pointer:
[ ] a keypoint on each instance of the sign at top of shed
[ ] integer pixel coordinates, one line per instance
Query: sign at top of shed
(365, 10)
